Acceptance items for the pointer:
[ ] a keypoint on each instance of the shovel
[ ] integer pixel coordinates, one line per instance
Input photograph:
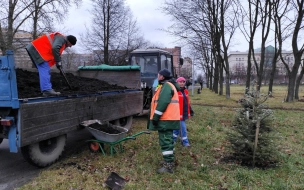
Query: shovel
(115, 182)
(64, 76)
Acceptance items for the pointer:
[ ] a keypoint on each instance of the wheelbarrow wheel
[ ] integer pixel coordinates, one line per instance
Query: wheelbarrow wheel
(94, 146)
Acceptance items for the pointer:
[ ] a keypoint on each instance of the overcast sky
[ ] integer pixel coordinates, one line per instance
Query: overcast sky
(147, 13)
(149, 19)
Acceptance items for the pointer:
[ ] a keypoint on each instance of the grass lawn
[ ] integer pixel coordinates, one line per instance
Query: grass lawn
(198, 167)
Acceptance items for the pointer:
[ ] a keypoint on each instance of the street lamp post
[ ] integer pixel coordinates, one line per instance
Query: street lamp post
(193, 76)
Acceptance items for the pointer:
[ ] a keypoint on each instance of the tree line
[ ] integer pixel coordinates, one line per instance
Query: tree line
(210, 28)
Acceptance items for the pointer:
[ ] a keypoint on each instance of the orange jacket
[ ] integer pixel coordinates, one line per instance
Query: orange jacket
(181, 103)
(171, 112)
(44, 47)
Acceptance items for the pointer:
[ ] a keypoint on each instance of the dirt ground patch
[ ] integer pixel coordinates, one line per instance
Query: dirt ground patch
(28, 84)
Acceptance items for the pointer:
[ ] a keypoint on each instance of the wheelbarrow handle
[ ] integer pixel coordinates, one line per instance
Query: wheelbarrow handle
(128, 138)
(146, 132)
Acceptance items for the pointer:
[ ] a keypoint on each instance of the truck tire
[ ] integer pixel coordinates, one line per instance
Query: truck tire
(1, 140)
(125, 122)
(44, 153)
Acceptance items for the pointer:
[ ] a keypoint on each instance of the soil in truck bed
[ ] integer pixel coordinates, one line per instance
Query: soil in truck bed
(28, 84)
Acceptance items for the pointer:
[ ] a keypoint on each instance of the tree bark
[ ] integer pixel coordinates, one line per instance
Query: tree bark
(298, 82)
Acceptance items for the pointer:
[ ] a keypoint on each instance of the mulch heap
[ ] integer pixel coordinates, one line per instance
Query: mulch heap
(29, 86)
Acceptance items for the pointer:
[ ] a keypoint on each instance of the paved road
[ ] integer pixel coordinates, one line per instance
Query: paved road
(15, 171)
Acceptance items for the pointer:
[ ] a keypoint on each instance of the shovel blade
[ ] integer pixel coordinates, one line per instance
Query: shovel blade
(115, 182)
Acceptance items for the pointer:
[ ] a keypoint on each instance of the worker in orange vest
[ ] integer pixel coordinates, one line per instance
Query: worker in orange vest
(165, 117)
(45, 52)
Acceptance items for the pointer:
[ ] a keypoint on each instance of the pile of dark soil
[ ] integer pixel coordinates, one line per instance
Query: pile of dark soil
(104, 128)
(28, 84)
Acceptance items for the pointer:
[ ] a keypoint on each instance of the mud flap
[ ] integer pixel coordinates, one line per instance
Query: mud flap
(12, 139)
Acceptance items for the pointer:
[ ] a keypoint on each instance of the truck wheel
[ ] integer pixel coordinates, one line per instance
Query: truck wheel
(44, 153)
(125, 122)
(1, 140)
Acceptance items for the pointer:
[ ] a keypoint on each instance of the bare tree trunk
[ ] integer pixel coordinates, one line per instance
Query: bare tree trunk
(253, 22)
(275, 57)
(227, 86)
(297, 53)
(230, 25)
(272, 74)
(211, 76)
(298, 82)
(216, 75)
(208, 74)
(106, 8)
(266, 20)
(248, 76)
(221, 81)
(291, 86)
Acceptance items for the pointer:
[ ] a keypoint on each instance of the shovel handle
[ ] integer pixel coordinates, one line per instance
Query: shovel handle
(64, 76)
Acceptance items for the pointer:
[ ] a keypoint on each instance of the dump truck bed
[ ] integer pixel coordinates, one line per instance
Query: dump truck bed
(39, 118)
(46, 119)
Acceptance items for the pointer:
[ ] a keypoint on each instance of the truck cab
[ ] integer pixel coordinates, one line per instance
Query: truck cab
(151, 61)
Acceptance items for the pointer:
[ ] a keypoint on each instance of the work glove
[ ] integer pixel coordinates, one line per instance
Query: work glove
(155, 123)
(58, 65)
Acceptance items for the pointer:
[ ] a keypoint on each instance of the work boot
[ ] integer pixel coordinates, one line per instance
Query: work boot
(50, 92)
(186, 145)
(166, 167)
(162, 162)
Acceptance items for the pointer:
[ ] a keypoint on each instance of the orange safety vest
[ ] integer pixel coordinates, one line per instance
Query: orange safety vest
(181, 103)
(44, 44)
(171, 113)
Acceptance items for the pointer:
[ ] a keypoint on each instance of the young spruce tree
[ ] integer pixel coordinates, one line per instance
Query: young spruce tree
(252, 134)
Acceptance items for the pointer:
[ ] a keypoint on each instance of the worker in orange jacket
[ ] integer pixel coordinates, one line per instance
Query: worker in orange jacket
(45, 52)
(165, 117)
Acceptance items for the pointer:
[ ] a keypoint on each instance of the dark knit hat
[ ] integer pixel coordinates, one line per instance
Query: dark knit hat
(72, 39)
(166, 73)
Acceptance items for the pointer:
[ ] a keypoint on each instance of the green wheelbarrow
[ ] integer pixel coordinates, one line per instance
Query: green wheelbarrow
(110, 139)
(97, 145)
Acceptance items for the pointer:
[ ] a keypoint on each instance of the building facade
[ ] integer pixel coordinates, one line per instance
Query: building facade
(238, 62)
(176, 53)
